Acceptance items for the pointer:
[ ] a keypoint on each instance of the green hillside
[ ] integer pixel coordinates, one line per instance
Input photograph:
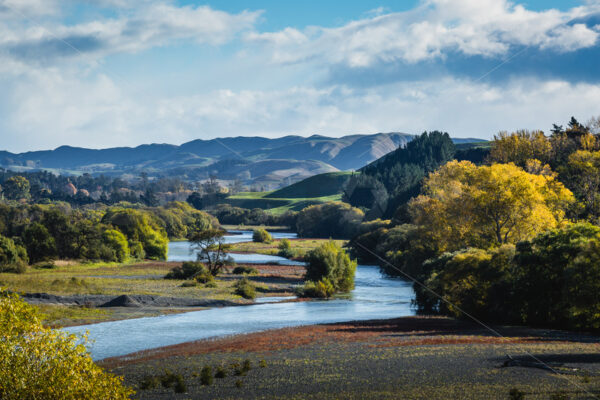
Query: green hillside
(327, 184)
(276, 205)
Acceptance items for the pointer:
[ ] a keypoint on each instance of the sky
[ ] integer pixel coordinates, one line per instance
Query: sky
(108, 73)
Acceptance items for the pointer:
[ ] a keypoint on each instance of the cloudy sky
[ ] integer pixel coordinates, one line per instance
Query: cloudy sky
(104, 73)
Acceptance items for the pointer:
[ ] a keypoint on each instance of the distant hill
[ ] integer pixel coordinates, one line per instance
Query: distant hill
(327, 184)
(261, 161)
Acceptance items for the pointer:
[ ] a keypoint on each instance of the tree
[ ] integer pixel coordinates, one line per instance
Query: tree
(329, 220)
(330, 264)
(42, 363)
(261, 236)
(117, 242)
(13, 258)
(582, 173)
(465, 205)
(39, 243)
(519, 147)
(211, 249)
(16, 188)
(138, 226)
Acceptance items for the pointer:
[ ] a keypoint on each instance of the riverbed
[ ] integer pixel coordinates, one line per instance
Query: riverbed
(375, 296)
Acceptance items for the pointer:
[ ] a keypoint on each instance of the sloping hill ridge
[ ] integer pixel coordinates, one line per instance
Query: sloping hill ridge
(327, 184)
(255, 160)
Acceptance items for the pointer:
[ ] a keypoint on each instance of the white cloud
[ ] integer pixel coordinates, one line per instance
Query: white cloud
(149, 25)
(54, 109)
(435, 29)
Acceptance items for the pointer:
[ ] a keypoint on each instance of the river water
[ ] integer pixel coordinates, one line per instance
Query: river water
(375, 296)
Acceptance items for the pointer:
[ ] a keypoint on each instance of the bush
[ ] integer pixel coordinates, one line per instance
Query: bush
(13, 258)
(187, 270)
(329, 262)
(245, 270)
(285, 249)
(221, 372)
(321, 289)
(245, 288)
(206, 376)
(261, 236)
(149, 382)
(49, 364)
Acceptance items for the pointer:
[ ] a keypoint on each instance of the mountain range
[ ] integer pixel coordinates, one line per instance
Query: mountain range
(255, 160)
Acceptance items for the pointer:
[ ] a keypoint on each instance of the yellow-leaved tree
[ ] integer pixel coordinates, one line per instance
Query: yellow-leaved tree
(42, 363)
(465, 205)
(520, 146)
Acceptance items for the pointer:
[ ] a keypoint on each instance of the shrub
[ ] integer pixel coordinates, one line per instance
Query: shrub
(261, 236)
(262, 364)
(245, 288)
(321, 289)
(206, 376)
(187, 270)
(245, 270)
(238, 383)
(175, 381)
(329, 262)
(221, 372)
(149, 382)
(13, 258)
(48, 364)
(285, 249)
(516, 394)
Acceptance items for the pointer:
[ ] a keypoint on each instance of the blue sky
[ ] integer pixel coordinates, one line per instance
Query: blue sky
(110, 73)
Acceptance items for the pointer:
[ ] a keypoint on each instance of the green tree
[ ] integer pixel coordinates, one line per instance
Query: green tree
(16, 188)
(329, 220)
(211, 249)
(13, 258)
(329, 262)
(261, 236)
(117, 242)
(42, 363)
(39, 243)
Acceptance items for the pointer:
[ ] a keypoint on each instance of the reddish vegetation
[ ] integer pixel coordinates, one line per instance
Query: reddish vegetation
(408, 331)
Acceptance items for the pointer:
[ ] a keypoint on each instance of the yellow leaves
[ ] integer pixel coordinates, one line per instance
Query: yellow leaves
(466, 205)
(520, 146)
(40, 363)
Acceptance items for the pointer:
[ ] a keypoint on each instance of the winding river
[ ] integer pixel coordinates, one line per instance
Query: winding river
(375, 296)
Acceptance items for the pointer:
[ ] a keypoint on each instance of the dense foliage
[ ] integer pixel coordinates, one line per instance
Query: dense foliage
(51, 231)
(504, 241)
(227, 214)
(329, 220)
(396, 177)
(42, 363)
(328, 270)
(551, 280)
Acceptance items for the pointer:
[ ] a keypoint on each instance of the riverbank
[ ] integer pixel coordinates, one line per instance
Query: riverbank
(75, 294)
(411, 357)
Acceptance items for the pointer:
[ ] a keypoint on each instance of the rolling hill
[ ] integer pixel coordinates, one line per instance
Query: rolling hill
(268, 163)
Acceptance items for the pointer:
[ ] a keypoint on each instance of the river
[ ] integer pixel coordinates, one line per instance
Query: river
(375, 296)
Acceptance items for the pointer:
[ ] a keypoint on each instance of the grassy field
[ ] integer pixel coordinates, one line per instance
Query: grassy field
(299, 246)
(406, 358)
(277, 205)
(82, 281)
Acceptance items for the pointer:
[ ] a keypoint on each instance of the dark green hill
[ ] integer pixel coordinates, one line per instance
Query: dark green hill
(326, 184)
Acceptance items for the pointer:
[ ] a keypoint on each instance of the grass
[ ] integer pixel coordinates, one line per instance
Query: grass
(299, 246)
(59, 315)
(277, 206)
(317, 186)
